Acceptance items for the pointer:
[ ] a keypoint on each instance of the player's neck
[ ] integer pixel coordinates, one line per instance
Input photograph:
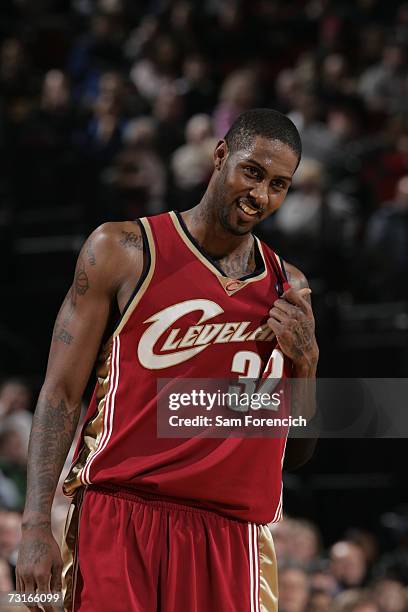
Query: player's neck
(206, 229)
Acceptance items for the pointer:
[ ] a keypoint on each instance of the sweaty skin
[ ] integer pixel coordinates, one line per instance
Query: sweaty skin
(109, 265)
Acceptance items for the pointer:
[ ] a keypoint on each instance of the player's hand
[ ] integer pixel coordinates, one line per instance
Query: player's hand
(39, 565)
(291, 318)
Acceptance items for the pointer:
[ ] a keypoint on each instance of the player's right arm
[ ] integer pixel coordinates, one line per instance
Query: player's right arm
(105, 267)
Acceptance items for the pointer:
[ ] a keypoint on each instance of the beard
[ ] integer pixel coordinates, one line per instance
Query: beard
(224, 213)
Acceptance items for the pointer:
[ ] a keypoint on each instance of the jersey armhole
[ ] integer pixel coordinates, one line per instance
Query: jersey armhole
(282, 265)
(145, 277)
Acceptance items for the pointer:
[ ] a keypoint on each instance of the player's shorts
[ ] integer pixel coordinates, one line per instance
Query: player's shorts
(124, 553)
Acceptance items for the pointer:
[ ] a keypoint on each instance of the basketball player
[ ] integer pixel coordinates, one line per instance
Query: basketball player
(157, 524)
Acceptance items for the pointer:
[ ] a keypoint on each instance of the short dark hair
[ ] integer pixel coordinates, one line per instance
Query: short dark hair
(264, 122)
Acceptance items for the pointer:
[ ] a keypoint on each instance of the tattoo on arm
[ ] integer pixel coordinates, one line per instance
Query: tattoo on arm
(303, 336)
(81, 282)
(54, 426)
(63, 335)
(90, 252)
(131, 239)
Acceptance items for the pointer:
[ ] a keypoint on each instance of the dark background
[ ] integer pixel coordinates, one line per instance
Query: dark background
(95, 98)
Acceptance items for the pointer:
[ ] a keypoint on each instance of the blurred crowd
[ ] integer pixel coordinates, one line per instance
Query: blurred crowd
(110, 109)
(365, 571)
(348, 576)
(16, 411)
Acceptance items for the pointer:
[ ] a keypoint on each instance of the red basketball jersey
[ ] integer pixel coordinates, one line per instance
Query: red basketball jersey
(186, 319)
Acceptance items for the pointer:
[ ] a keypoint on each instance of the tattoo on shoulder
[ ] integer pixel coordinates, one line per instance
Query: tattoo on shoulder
(90, 252)
(131, 240)
(81, 282)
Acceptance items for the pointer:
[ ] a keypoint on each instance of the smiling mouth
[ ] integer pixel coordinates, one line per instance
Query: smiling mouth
(248, 209)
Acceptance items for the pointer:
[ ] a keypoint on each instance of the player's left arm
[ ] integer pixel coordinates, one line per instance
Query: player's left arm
(292, 320)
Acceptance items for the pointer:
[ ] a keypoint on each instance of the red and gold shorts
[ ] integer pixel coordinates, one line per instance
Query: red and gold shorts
(124, 553)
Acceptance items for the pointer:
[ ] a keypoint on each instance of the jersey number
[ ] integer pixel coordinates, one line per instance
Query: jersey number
(248, 365)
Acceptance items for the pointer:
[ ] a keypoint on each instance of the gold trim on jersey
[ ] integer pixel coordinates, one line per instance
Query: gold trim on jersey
(94, 429)
(268, 571)
(69, 551)
(224, 280)
(146, 282)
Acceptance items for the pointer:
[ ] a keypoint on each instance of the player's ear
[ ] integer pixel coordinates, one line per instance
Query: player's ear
(220, 154)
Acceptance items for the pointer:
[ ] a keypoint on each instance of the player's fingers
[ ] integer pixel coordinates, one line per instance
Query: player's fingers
(275, 326)
(56, 579)
(19, 583)
(289, 309)
(28, 586)
(278, 314)
(43, 585)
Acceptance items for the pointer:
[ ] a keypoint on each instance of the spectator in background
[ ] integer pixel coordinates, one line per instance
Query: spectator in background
(370, 45)
(281, 535)
(389, 159)
(384, 87)
(15, 427)
(318, 142)
(304, 544)
(239, 92)
(159, 67)
(319, 601)
(6, 582)
(103, 136)
(98, 142)
(192, 163)
(390, 595)
(316, 226)
(196, 85)
(387, 232)
(286, 90)
(336, 81)
(355, 601)
(94, 52)
(321, 580)
(137, 178)
(367, 542)
(13, 463)
(293, 588)
(10, 536)
(139, 37)
(16, 78)
(168, 112)
(348, 564)
(15, 404)
(44, 152)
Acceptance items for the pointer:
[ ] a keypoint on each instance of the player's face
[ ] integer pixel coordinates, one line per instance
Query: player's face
(253, 182)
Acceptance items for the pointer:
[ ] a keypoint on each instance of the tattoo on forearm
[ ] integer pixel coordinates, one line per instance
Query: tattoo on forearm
(90, 252)
(131, 240)
(54, 425)
(36, 524)
(63, 335)
(303, 336)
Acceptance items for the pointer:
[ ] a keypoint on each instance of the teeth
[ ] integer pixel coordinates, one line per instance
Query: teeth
(248, 210)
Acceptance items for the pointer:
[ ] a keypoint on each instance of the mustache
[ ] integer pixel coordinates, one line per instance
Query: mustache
(251, 202)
